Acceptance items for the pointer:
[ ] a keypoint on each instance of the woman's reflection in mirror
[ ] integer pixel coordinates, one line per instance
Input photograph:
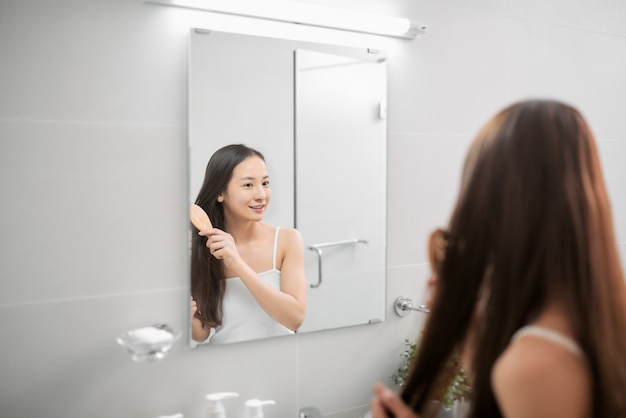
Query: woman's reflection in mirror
(529, 285)
(247, 277)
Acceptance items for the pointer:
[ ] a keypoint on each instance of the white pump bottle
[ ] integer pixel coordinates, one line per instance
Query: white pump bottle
(254, 407)
(216, 408)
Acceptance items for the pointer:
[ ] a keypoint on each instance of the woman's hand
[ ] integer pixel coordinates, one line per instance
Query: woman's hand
(222, 246)
(386, 403)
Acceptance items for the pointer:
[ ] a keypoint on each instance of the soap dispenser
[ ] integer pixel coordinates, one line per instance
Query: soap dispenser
(254, 407)
(216, 409)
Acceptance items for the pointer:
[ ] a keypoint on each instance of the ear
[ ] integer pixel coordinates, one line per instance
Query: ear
(220, 198)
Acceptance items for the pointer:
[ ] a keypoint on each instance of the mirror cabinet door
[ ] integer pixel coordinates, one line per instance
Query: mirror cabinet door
(341, 153)
(317, 113)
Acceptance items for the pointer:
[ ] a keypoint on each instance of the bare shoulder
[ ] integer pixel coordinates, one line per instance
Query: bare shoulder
(290, 237)
(537, 378)
(290, 249)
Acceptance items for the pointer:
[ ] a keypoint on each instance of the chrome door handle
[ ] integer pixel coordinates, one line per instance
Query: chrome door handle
(318, 249)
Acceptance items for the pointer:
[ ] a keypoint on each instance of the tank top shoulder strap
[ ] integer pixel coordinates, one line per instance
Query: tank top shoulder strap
(275, 247)
(550, 335)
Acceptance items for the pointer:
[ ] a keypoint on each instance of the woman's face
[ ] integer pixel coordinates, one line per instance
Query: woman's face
(248, 192)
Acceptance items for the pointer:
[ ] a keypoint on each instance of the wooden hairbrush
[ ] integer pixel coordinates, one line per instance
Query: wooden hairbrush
(199, 218)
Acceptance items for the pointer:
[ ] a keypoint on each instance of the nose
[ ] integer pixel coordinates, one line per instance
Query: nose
(259, 193)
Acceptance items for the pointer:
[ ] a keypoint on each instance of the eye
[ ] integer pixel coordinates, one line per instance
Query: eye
(266, 183)
(248, 185)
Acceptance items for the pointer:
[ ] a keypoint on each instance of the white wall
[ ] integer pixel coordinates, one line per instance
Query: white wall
(93, 184)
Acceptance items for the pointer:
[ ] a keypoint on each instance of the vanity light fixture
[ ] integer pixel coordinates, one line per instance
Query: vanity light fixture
(309, 14)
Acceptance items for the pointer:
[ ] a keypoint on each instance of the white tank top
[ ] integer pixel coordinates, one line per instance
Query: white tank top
(243, 317)
(548, 334)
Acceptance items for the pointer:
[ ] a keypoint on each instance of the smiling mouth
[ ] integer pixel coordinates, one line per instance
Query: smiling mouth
(257, 207)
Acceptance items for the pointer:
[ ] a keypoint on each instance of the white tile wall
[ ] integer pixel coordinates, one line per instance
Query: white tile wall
(417, 206)
(612, 153)
(92, 128)
(453, 79)
(80, 198)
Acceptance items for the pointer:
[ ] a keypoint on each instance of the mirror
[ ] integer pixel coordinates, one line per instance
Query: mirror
(318, 114)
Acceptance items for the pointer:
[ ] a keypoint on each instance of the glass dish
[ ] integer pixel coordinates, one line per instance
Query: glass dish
(149, 343)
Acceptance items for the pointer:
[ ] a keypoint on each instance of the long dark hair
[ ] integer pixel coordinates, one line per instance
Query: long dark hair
(532, 225)
(207, 272)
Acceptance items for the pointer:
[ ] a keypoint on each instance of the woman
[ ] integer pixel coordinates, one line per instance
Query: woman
(530, 286)
(247, 277)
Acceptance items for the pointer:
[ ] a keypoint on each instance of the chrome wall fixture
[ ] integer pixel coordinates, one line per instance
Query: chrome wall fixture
(404, 305)
(318, 249)
(309, 14)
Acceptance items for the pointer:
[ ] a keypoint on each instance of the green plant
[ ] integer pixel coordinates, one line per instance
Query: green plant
(403, 371)
(454, 379)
